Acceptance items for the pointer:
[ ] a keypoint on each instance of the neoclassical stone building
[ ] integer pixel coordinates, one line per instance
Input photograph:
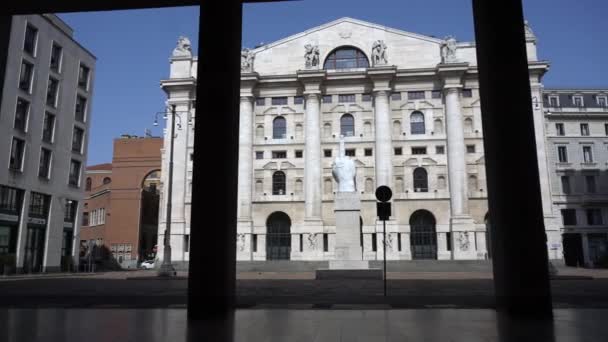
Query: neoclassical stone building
(408, 107)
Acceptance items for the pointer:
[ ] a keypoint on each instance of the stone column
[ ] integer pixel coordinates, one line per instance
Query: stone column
(383, 151)
(312, 157)
(457, 171)
(245, 158)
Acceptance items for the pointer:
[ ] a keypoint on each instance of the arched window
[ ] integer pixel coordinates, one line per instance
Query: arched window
(347, 125)
(438, 126)
(278, 183)
(107, 180)
(468, 125)
(367, 128)
(298, 186)
(299, 131)
(88, 184)
(259, 132)
(369, 185)
(472, 184)
(279, 128)
(441, 182)
(396, 128)
(421, 182)
(327, 130)
(417, 123)
(399, 185)
(327, 186)
(259, 186)
(346, 58)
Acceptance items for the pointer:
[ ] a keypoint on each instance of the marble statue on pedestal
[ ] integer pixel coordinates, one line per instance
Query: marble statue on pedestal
(311, 56)
(448, 50)
(247, 57)
(183, 48)
(379, 55)
(344, 171)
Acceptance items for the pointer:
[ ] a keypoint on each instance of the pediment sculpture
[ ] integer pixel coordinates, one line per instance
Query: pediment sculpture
(183, 48)
(379, 53)
(247, 57)
(311, 56)
(448, 50)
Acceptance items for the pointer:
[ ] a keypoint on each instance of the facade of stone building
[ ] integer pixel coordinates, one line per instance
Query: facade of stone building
(122, 202)
(408, 108)
(44, 129)
(577, 145)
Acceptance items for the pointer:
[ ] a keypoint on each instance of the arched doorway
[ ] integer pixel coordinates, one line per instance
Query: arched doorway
(423, 236)
(149, 209)
(278, 236)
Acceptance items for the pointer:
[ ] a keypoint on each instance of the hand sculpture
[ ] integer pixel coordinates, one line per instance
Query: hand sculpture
(344, 171)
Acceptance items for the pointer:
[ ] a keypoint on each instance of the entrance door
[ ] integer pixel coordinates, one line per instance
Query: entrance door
(34, 249)
(278, 236)
(573, 250)
(423, 235)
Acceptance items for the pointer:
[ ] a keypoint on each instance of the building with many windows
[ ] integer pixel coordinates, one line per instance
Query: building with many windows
(44, 124)
(577, 142)
(408, 108)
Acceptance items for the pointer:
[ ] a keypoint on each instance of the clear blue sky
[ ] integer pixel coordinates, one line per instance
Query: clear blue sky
(133, 47)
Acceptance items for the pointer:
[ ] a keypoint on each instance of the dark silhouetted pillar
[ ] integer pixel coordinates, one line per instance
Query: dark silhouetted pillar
(212, 278)
(518, 236)
(5, 34)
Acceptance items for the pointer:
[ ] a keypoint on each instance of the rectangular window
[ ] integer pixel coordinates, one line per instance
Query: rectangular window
(590, 184)
(279, 154)
(81, 104)
(74, 177)
(415, 95)
(368, 152)
(85, 218)
(436, 94)
(17, 151)
(346, 98)
(48, 127)
(325, 243)
(448, 241)
(350, 152)
(326, 98)
(584, 129)
(260, 101)
(298, 100)
(566, 185)
(562, 154)
(83, 77)
(29, 44)
(366, 97)
(577, 101)
(301, 242)
(299, 154)
(398, 151)
(38, 204)
(439, 149)
(606, 129)
(569, 217)
(374, 243)
(45, 163)
(21, 114)
(396, 96)
(259, 155)
(587, 155)
(470, 148)
(25, 77)
(467, 93)
(601, 101)
(327, 153)
(55, 58)
(594, 217)
(77, 139)
(254, 242)
(418, 150)
(279, 101)
(399, 242)
(186, 243)
(51, 92)
(553, 101)
(559, 129)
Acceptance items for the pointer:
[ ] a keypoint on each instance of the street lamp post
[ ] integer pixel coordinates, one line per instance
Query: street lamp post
(166, 268)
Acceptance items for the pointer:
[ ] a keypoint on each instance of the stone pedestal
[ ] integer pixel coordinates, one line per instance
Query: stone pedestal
(349, 254)
(463, 237)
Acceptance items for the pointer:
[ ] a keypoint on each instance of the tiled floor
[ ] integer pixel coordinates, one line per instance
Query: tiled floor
(280, 325)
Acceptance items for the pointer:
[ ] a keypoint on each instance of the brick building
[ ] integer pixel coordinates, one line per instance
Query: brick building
(121, 203)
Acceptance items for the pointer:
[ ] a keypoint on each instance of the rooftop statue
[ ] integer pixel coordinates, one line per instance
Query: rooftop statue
(311, 56)
(379, 55)
(344, 171)
(448, 50)
(183, 48)
(247, 57)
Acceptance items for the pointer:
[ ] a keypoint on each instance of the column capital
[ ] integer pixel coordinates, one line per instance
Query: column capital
(382, 77)
(311, 80)
(312, 95)
(247, 98)
(248, 82)
(382, 92)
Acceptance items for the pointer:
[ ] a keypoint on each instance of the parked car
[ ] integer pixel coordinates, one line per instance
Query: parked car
(148, 264)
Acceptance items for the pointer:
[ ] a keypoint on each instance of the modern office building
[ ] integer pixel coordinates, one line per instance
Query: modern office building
(44, 130)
